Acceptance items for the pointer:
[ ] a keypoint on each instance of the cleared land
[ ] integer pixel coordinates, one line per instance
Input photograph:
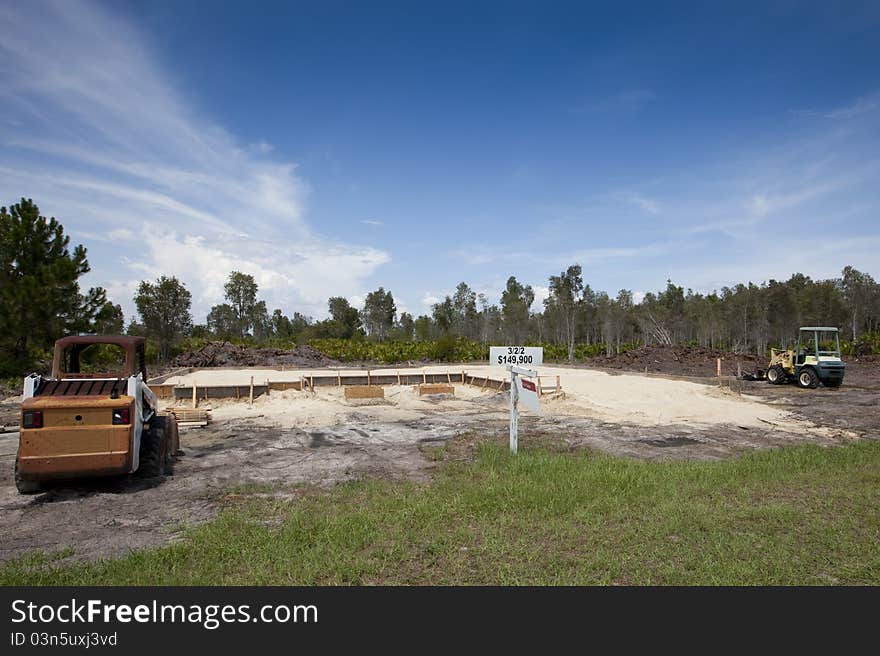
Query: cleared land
(796, 516)
(291, 439)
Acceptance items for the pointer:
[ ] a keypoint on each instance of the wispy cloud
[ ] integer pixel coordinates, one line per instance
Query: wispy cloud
(860, 106)
(261, 147)
(785, 191)
(102, 139)
(375, 224)
(607, 254)
(645, 204)
(628, 102)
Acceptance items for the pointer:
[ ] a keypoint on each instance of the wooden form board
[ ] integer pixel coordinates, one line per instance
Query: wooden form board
(435, 388)
(374, 378)
(364, 392)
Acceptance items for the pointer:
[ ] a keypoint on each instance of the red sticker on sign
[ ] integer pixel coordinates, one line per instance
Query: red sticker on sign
(529, 385)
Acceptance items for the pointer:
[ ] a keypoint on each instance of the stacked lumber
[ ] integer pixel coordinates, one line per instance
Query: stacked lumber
(364, 392)
(190, 417)
(435, 388)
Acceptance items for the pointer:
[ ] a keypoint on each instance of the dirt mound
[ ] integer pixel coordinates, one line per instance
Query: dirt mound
(225, 354)
(681, 360)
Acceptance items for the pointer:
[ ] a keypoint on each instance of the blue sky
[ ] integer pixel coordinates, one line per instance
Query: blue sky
(329, 148)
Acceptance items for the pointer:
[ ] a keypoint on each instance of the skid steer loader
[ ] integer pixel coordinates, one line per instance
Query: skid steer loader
(76, 424)
(814, 359)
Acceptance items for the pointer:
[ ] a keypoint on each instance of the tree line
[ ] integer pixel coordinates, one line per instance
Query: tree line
(40, 300)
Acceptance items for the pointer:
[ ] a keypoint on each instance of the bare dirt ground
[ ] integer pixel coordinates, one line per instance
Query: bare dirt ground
(293, 438)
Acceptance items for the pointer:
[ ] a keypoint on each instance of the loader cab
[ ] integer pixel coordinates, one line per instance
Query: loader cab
(99, 356)
(817, 343)
(806, 346)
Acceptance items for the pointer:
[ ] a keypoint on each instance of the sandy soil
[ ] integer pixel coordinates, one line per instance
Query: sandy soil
(290, 438)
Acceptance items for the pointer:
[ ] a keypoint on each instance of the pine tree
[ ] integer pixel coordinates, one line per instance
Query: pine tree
(40, 298)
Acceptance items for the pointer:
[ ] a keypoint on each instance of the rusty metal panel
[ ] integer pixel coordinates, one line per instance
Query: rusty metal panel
(69, 402)
(76, 465)
(74, 440)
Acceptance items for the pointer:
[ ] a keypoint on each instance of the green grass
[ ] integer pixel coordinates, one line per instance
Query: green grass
(788, 516)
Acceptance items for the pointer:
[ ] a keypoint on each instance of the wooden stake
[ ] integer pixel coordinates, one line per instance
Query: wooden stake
(195, 399)
(338, 379)
(719, 372)
(251, 395)
(558, 385)
(398, 377)
(368, 377)
(424, 376)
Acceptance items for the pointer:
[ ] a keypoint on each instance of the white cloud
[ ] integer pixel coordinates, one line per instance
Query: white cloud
(429, 299)
(638, 297)
(541, 293)
(376, 224)
(112, 150)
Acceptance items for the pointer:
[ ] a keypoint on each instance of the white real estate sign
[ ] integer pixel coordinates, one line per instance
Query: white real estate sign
(518, 356)
(516, 359)
(527, 392)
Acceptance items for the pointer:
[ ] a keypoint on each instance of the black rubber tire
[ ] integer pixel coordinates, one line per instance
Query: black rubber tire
(25, 486)
(808, 378)
(153, 450)
(779, 373)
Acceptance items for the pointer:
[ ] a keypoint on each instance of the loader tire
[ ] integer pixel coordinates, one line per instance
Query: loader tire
(153, 452)
(776, 375)
(808, 378)
(25, 486)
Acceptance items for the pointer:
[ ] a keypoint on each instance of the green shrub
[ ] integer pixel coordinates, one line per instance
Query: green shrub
(867, 344)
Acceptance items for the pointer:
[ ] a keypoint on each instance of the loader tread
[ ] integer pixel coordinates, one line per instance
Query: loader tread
(153, 450)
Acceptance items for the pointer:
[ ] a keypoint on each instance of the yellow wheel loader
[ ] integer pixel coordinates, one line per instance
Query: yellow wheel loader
(814, 359)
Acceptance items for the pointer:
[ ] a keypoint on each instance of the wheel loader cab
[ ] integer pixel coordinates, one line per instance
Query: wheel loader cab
(805, 348)
(100, 358)
(814, 359)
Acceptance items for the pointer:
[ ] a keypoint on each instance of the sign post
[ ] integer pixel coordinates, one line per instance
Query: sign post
(511, 357)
